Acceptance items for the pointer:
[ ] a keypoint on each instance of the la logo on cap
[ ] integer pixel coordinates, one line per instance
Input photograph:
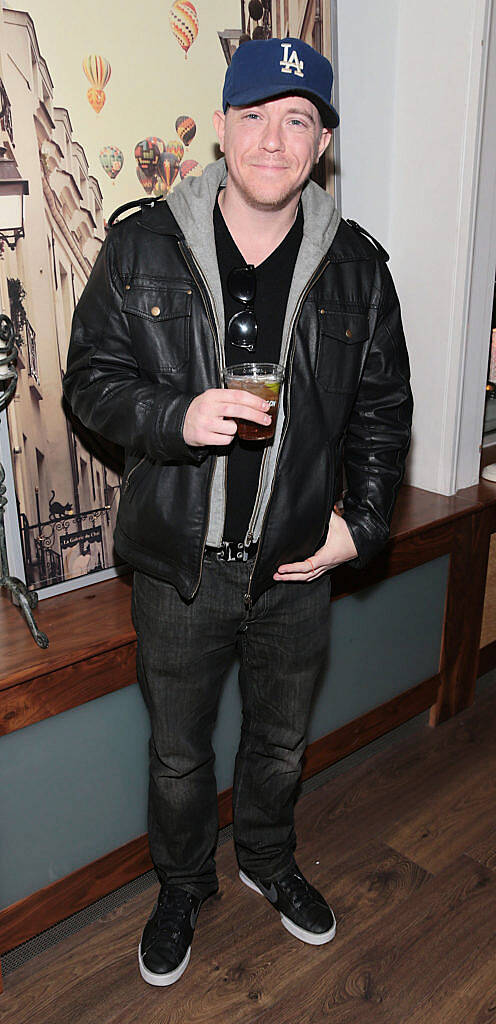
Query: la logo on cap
(290, 64)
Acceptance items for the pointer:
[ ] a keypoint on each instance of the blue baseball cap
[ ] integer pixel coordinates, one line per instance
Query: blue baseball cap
(262, 69)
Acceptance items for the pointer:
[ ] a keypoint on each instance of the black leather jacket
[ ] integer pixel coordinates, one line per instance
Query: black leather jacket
(143, 347)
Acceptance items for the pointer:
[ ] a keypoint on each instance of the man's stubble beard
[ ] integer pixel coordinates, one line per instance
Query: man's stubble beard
(258, 200)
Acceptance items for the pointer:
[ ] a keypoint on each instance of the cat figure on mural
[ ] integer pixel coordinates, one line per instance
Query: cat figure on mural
(57, 510)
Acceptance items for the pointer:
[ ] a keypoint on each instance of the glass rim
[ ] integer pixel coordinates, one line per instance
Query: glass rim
(254, 369)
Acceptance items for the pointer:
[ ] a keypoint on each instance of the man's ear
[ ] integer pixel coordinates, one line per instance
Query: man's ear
(325, 138)
(219, 120)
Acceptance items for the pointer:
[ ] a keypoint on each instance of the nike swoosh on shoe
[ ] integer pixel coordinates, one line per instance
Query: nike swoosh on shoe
(269, 891)
(194, 916)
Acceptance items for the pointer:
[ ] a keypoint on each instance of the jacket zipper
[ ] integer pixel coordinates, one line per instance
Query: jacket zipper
(132, 472)
(317, 273)
(201, 284)
(258, 499)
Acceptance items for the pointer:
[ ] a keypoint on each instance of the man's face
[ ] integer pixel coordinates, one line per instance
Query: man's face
(270, 148)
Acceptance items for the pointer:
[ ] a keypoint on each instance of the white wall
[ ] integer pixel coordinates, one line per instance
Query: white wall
(411, 82)
(367, 47)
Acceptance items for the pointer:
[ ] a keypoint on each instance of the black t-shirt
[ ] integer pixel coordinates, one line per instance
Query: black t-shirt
(274, 277)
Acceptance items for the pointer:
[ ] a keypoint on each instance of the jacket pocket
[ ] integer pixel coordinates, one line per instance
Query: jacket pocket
(135, 474)
(343, 341)
(159, 319)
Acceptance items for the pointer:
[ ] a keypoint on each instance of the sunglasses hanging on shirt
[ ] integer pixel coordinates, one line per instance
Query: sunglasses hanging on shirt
(242, 328)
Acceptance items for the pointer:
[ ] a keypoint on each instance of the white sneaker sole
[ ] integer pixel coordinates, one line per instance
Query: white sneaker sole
(163, 979)
(313, 938)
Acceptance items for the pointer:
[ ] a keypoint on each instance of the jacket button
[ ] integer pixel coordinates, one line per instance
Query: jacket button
(155, 310)
(348, 332)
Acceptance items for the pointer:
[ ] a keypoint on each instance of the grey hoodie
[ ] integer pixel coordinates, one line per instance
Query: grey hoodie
(192, 203)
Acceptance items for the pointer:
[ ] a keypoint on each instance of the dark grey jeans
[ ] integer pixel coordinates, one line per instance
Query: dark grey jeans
(184, 652)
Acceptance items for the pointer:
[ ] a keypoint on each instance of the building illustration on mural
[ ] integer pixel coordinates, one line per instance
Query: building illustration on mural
(67, 499)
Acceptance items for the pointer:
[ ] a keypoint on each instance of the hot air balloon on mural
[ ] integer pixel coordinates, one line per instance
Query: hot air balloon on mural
(97, 70)
(146, 180)
(167, 170)
(175, 147)
(96, 97)
(159, 188)
(183, 20)
(185, 128)
(111, 159)
(190, 167)
(148, 153)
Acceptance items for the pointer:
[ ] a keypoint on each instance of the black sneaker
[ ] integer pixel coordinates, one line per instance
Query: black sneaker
(304, 912)
(165, 946)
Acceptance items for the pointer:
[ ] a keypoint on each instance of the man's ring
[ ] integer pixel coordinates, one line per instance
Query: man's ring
(311, 563)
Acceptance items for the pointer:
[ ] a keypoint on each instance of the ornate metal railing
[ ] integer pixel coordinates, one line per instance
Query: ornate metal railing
(6, 113)
(64, 547)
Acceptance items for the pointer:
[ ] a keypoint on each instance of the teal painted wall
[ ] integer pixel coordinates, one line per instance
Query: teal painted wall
(74, 787)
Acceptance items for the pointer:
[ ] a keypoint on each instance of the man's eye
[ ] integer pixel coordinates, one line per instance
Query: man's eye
(250, 116)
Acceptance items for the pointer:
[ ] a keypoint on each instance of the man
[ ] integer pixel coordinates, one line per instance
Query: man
(233, 542)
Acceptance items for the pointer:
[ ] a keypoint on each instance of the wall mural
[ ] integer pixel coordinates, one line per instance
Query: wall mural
(96, 112)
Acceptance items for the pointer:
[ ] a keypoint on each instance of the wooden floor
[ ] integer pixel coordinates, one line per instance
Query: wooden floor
(404, 848)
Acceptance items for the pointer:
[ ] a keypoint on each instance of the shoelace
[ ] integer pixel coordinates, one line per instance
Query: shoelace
(174, 907)
(297, 889)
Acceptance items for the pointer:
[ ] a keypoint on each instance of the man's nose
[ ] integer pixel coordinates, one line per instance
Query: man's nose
(271, 138)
